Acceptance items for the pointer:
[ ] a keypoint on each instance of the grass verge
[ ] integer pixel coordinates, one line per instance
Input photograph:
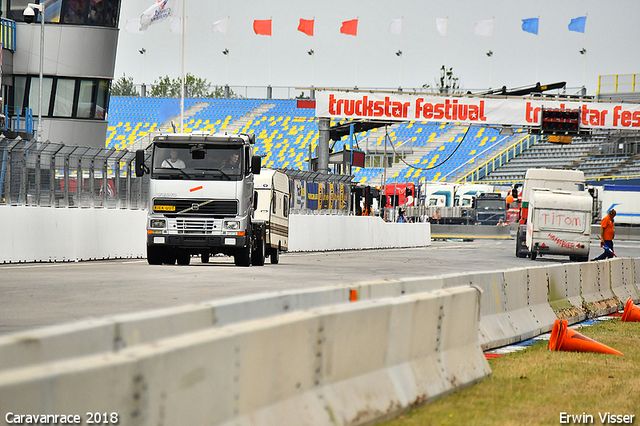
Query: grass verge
(535, 385)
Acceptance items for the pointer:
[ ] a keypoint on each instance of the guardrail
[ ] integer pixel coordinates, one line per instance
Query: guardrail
(317, 354)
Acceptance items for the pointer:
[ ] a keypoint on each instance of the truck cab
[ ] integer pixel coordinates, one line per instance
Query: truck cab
(201, 192)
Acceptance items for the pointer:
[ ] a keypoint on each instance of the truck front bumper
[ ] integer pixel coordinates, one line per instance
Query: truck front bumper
(197, 241)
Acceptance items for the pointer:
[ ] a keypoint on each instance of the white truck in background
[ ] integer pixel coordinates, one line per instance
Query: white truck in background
(272, 209)
(625, 199)
(202, 199)
(555, 215)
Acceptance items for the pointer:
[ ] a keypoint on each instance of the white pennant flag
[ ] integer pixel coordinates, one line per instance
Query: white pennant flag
(158, 12)
(220, 26)
(133, 26)
(484, 28)
(396, 27)
(441, 25)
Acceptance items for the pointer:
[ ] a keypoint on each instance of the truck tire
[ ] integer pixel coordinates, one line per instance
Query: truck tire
(519, 251)
(154, 255)
(534, 254)
(257, 256)
(243, 256)
(169, 257)
(204, 257)
(184, 258)
(275, 255)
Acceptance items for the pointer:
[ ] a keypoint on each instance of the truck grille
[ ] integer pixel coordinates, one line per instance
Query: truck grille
(219, 208)
(195, 226)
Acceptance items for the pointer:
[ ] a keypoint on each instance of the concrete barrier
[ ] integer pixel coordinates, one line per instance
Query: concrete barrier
(324, 232)
(470, 231)
(41, 234)
(564, 292)
(595, 285)
(336, 365)
(622, 279)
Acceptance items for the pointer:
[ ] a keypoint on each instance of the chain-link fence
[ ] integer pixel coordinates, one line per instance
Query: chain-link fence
(50, 174)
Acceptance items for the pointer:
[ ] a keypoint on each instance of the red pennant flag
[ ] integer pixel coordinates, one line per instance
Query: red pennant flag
(306, 26)
(262, 27)
(350, 27)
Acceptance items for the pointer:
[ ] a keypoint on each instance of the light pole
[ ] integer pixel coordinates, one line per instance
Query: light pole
(29, 16)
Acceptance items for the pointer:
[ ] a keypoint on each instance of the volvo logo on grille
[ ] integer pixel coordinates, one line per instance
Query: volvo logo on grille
(195, 206)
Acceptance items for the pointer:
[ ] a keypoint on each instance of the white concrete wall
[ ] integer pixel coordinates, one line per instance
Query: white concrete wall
(323, 232)
(42, 234)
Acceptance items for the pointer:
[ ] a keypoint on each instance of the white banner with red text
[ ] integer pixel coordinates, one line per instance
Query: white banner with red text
(472, 110)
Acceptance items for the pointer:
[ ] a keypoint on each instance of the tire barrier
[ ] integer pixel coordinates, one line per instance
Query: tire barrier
(302, 353)
(342, 364)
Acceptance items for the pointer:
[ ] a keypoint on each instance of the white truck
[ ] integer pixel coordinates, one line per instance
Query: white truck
(555, 215)
(202, 199)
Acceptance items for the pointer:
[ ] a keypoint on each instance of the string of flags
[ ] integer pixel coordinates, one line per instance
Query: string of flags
(164, 9)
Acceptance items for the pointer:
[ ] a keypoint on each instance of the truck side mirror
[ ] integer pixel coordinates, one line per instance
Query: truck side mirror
(256, 163)
(140, 168)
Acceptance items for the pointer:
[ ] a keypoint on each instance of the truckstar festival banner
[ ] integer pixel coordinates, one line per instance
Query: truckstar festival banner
(478, 110)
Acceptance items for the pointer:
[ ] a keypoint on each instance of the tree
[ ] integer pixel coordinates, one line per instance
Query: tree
(124, 87)
(194, 87)
(447, 82)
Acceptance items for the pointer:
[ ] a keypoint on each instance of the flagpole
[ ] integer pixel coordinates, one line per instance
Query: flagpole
(357, 21)
(226, 34)
(313, 56)
(584, 66)
(270, 49)
(446, 44)
(182, 68)
(491, 58)
(400, 77)
(538, 54)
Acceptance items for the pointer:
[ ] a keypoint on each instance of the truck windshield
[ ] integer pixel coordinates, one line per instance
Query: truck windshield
(491, 205)
(197, 161)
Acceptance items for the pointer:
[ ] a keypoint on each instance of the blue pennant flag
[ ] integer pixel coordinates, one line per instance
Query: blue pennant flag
(530, 25)
(577, 24)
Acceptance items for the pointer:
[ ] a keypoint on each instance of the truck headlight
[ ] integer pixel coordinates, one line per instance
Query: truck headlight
(231, 224)
(157, 223)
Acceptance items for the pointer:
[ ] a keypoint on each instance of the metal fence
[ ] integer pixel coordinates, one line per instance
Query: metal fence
(50, 174)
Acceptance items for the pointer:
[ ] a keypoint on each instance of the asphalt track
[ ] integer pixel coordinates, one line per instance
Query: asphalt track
(40, 294)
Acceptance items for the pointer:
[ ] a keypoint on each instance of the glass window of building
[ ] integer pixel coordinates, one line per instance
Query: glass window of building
(34, 93)
(85, 98)
(63, 102)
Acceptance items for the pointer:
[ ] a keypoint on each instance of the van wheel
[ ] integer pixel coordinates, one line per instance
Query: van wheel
(243, 257)
(257, 257)
(275, 255)
(534, 254)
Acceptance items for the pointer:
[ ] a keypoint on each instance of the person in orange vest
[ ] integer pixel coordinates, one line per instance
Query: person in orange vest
(607, 232)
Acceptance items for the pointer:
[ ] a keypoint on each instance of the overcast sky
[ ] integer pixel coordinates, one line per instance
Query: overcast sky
(519, 58)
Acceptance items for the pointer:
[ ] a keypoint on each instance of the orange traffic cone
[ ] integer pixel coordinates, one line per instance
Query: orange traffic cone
(566, 339)
(631, 312)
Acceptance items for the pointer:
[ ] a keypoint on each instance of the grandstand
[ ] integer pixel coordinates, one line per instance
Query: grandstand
(285, 133)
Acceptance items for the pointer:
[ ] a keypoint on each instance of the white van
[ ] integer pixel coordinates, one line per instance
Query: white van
(272, 207)
(559, 222)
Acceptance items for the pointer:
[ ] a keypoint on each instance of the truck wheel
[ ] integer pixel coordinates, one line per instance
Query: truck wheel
(275, 255)
(169, 257)
(243, 257)
(204, 257)
(534, 254)
(183, 258)
(154, 255)
(257, 256)
(519, 251)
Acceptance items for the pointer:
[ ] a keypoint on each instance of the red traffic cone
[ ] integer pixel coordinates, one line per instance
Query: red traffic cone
(631, 312)
(566, 339)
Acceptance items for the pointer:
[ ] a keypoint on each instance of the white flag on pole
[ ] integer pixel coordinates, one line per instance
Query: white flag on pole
(133, 26)
(441, 25)
(396, 27)
(484, 28)
(158, 12)
(220, 26)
